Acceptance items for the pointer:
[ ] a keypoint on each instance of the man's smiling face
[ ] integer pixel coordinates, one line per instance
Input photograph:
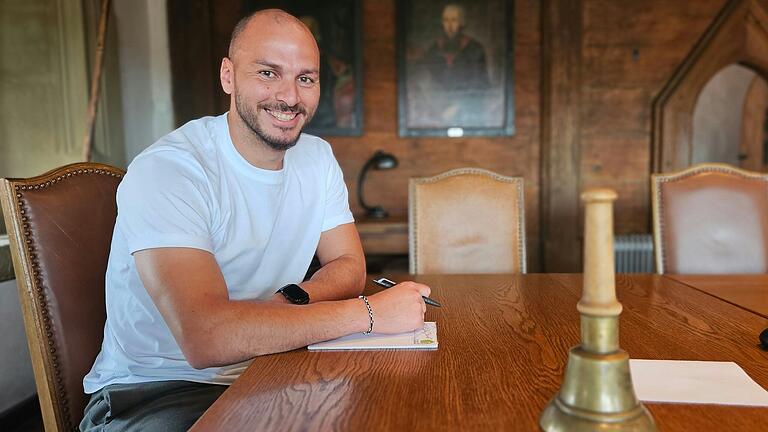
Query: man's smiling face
(275, 80)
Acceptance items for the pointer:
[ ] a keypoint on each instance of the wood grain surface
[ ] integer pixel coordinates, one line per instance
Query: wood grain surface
(749, 291)
(504, 341)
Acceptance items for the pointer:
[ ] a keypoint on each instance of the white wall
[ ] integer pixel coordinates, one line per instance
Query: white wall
(145, 72)
(17, 383)
(717, 117)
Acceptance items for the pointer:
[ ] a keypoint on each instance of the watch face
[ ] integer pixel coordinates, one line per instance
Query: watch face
(295, 294)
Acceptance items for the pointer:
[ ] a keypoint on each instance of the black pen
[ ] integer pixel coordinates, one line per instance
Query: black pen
(386, 283)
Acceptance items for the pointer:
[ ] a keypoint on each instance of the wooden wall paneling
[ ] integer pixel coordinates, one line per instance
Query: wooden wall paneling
(607, 160)
(193, 69)
(560, 127)
(224, 17)
(649, 23)
(614, 149)
(753, 125)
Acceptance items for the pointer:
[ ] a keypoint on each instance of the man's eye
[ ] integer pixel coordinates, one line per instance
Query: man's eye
(268, 74)
(306, 80)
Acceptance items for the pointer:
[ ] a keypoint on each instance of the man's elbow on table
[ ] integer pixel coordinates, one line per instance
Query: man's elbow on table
(206, 339)
(200, 351)
(217, 340)
(198, 360)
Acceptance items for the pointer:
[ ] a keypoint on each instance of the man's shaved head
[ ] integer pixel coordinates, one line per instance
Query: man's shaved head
(268, 17)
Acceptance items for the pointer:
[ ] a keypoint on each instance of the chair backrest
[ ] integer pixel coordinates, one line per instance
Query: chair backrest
(60, 228)
(710, 218)
(467, 220)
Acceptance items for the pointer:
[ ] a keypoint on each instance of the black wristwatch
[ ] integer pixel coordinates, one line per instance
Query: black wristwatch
(294, 294)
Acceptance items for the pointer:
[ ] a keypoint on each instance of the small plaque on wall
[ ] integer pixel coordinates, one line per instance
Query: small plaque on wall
(455, 74)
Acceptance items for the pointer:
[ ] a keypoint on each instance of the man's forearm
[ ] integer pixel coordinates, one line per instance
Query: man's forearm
(239, 330)
(341, 278)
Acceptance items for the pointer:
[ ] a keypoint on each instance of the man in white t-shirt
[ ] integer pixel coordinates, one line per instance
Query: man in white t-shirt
(217, 224)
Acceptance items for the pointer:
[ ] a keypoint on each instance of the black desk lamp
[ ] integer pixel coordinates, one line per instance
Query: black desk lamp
(379, 161)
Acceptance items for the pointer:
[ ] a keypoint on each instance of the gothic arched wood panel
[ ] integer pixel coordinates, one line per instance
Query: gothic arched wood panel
(739, 34)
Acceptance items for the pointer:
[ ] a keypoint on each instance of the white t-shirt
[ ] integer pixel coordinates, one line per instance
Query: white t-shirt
(193, 189)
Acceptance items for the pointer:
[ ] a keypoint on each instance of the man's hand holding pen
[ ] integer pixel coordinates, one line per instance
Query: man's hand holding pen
(400, 308)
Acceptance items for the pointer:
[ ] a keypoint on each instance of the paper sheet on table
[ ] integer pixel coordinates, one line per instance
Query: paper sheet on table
(424, 338)
(706, 382)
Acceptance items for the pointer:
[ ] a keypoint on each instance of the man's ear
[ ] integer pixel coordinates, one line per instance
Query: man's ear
(227, 75)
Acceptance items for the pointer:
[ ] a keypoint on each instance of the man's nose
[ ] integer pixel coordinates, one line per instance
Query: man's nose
(288, 92)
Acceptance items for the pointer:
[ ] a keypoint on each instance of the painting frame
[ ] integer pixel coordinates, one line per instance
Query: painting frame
(350, 122)
(411, 75)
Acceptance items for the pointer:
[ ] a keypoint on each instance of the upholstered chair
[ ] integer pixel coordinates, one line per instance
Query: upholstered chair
(466, 220)
(60, 227)
(710, 219)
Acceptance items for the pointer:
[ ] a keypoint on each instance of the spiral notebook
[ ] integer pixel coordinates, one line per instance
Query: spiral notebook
(424, 338)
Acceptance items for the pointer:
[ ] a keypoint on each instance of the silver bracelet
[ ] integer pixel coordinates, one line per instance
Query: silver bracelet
(370, 314)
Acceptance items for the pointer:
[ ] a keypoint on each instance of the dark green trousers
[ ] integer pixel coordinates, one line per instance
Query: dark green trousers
(150, 406)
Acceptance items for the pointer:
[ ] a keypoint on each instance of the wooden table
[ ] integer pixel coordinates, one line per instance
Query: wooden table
(749, 291)
(504, 341)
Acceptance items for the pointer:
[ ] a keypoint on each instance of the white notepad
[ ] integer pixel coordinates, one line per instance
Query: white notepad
(424, 338)
(703, 382)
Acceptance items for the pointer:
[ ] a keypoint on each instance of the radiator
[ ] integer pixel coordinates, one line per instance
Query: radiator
(633, 253)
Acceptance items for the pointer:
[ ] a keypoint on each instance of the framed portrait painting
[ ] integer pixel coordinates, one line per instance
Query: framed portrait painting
(337, 27)
(455, 68)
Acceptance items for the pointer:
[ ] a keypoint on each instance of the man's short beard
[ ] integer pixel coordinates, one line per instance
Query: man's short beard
(250, 118)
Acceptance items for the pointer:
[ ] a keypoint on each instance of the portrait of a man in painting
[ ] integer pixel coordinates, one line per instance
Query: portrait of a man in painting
(454, 71)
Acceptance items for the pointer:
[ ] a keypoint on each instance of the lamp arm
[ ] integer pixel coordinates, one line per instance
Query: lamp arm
(360, 181)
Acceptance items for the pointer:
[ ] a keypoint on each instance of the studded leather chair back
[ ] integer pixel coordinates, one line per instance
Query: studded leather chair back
(60, 228)
(467, 220)
(710, 218)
